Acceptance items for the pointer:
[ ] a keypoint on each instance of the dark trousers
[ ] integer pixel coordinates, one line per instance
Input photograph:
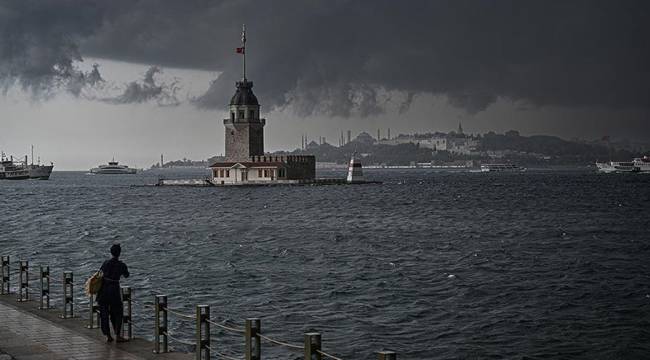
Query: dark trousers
(115, 311)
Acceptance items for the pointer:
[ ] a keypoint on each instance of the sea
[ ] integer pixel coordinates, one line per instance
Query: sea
(543, 264)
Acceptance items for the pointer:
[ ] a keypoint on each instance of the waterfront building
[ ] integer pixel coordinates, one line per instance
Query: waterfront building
(462, 145)
(436, 142)
(454, 143)
(245, 161)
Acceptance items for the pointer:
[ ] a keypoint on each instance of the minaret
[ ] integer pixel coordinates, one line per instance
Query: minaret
(244, 128)
(460, 128)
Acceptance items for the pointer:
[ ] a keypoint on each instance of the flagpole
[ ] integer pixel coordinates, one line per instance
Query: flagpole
(243, 39)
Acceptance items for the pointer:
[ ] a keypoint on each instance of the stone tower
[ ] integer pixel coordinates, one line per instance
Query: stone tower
(244, 128)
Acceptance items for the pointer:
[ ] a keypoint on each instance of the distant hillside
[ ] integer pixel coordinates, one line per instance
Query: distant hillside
(181, 163)
(489, 147)
(492, 147)
(560, 150)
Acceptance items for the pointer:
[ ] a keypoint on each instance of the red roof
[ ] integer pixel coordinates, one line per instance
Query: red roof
(249, 164)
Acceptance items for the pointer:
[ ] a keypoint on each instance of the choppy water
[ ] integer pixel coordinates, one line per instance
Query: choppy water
(433, 265)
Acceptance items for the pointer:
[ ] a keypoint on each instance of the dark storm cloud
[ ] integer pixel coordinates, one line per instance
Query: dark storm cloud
(148, 89)
(339, 57)
(39, 45)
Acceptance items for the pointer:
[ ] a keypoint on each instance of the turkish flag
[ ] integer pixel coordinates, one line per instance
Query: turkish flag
(240, 50)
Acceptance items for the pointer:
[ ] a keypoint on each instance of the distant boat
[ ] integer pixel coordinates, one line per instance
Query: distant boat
(18, 170)
(40, 172)
(501, 168)
(113, 168)
(11, 171)
(615, 166)
(636, 165)
(643, 164)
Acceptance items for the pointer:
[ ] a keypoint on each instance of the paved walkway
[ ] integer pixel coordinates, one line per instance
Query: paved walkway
(27, 335)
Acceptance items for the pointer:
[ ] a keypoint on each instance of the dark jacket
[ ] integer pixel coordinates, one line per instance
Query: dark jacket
(110, 292)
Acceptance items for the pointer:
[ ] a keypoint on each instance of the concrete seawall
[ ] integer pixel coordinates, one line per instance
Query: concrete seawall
(27, 333)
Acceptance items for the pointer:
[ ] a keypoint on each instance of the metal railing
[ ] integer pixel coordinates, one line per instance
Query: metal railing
(312, 347)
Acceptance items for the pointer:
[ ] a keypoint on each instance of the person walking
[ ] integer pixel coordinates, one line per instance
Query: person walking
(109, 296)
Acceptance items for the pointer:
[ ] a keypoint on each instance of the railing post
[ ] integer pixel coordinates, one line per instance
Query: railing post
(387, 355)
(127, 318)
(160, 324)
(93, 316)
(6, 272)
(45, 287)
(202, 332)
(23, 288)
(312, 346)
(68, 295)
(253, 348)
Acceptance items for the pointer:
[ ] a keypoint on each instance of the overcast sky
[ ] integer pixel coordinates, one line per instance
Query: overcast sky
(166, 69)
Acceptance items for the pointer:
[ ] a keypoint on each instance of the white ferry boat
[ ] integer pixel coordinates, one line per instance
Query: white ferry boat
(636, 165)
(113, 168)
(501, 168)
(615, 166)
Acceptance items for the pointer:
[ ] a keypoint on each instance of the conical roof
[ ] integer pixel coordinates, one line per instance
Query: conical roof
(244, 94)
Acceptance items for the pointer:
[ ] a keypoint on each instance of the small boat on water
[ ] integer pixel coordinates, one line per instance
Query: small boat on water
(501, 168)
(113, 168)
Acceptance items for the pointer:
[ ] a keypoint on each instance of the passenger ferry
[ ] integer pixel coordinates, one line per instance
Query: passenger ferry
(113, 168)
(636, 165)
(21, 170)
(615, 166)
(10, 171)
(501, 168)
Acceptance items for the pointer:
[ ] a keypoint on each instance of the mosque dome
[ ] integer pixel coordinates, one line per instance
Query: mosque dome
(244, 94)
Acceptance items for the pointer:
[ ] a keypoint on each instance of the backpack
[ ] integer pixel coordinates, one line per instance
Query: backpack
(94, 283)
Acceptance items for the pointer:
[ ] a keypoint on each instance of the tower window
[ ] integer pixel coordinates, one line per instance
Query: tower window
(241, 114)
(251, 114)
(232, 115)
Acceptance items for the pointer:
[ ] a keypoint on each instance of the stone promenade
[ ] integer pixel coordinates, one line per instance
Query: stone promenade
(27, 333)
